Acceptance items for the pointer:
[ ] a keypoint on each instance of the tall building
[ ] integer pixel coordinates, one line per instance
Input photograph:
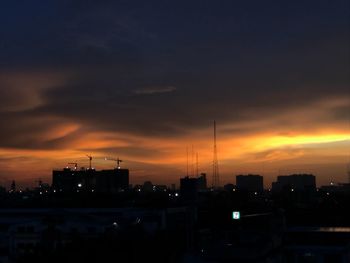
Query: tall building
(112, 181)
(202, 182)
(250, 182)
(189, 187)
(295, 182)
(104, 181)
(147, 186)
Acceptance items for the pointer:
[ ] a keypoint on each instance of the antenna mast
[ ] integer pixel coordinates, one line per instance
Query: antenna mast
(187, 161)
(216, 181)
(192, 165)
(197, 164)
(348, 172)
(90, 159)
(348, 165)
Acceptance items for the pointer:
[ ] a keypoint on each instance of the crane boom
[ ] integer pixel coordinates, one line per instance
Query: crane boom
(75, 165)
(116, 160)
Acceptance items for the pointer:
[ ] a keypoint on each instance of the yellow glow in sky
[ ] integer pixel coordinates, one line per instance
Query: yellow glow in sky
(282, 141)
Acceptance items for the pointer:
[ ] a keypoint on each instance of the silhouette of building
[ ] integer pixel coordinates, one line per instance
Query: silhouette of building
(147, 186)
(112, 181)
(202, 182)
(160, 188)
(317, 244)
(189, 187)
(295, 182)
(250, 183)
(229, 187)
(43, 232)
(105, 181)
(2, 190)
(336, 188)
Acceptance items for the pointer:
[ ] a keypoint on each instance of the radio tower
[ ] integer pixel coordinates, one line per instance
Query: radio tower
(348, 166)
(216, 181)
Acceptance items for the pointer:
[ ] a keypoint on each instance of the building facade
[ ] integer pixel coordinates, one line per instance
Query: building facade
(250, 183)
(104, 181)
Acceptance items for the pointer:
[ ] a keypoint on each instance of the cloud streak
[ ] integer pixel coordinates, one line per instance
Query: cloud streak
(154, 90)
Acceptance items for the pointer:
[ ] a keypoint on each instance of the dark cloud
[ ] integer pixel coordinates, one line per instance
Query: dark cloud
(27, 131)
(133, 151)
(154, 90)
(168, 113)
(168, 68)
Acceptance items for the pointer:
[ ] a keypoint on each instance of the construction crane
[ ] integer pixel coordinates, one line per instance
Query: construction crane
(90, 159)
(75, 165)
(116, 160)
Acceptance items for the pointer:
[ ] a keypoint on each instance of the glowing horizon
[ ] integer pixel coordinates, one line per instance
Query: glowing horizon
(245, 151)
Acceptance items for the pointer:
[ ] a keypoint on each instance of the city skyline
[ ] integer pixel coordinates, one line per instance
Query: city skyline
(145, 81)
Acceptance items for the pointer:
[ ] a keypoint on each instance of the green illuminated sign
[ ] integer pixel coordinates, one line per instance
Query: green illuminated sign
(236, 215)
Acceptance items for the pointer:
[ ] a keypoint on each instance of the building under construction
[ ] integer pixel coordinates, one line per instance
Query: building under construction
(90, 180)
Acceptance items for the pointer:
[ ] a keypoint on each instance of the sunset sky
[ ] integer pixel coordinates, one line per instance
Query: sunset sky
(144, 81)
